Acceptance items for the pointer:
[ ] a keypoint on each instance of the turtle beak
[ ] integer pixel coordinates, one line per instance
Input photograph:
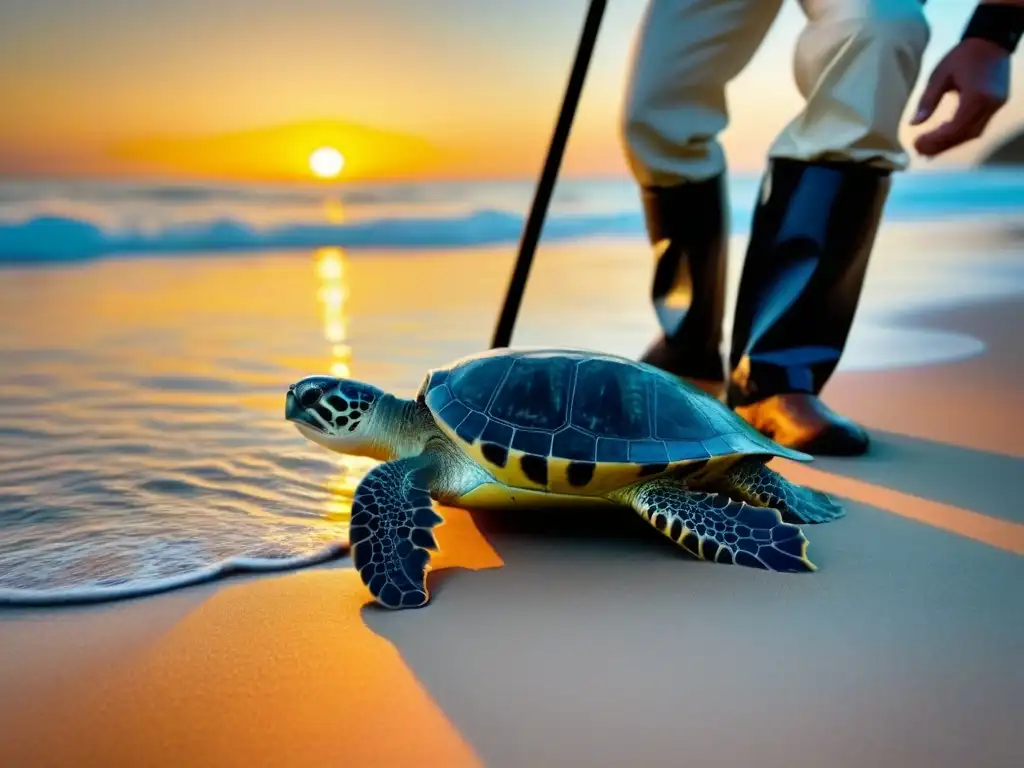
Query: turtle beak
(300, 417)
(292, 409)
(296, 414)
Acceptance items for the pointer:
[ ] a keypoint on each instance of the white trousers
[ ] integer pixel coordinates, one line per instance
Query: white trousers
(856, 63)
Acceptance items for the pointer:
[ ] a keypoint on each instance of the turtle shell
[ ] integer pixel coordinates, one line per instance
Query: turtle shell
(582, 423)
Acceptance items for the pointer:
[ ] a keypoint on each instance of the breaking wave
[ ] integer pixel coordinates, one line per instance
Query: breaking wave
(68, 224)
(54, 238)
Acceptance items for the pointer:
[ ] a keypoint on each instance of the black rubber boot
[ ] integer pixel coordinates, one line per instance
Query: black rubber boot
(811, 239)
(687, 226)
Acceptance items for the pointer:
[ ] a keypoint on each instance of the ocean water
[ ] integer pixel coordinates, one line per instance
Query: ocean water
(62, 221)
(148, 333)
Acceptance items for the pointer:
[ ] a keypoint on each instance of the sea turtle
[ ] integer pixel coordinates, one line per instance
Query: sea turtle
(544, 427)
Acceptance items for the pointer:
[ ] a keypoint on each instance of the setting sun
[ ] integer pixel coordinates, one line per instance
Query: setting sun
(326, 162)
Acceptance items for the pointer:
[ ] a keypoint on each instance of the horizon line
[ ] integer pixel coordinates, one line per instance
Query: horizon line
(334, 184)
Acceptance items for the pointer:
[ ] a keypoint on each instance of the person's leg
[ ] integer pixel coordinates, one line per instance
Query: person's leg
(685, 54)
(815, 222)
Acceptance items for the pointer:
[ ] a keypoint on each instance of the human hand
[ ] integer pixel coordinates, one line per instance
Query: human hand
(979, 72)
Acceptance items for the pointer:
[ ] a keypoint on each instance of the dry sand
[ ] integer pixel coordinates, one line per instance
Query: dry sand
(567, 640)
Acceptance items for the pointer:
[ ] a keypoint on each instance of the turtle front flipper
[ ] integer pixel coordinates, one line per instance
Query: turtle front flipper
(392, 530)
(753, 482)
(712, 526)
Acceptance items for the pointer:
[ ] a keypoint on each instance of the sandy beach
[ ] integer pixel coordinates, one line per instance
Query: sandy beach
(565, 639)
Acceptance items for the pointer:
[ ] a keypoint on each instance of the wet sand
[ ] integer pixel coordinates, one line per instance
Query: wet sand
(571, 639)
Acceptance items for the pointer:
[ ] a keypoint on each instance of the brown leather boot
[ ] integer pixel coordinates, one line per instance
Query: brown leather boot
(702, 371)
(803, 422)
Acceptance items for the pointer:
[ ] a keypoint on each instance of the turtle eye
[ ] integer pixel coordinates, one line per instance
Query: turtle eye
(310, 397)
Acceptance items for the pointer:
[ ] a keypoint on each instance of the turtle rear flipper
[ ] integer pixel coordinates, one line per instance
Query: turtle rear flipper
(753, 482)
(713, 527)
(392, 530)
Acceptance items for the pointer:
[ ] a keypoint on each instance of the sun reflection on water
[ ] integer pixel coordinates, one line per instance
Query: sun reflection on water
(333, 292)
(333, 295)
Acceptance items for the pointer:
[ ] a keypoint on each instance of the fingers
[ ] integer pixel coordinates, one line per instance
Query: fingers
(968, 122)
(978, 72)
(938, 85)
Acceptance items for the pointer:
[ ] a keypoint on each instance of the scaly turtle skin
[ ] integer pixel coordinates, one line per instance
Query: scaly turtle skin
(549, 427)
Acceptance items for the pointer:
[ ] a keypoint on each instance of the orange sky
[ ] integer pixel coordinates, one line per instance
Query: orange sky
(454, 88)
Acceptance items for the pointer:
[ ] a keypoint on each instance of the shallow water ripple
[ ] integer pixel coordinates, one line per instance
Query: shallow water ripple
(127, 468)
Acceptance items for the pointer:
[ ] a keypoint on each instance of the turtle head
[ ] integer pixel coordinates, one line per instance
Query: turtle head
(337, 414)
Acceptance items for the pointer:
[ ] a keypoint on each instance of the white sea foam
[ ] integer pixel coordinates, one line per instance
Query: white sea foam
(140, 586)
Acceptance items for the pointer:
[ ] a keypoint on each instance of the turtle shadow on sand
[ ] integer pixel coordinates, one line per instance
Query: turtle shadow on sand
(566, 537)
(597, 641)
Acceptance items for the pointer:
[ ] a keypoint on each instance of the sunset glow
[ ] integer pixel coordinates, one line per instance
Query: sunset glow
(481, 105)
